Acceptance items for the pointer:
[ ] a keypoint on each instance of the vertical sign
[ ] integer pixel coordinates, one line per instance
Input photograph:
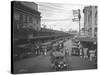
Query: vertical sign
(77, 17)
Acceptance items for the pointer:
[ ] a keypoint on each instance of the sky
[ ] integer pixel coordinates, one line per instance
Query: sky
(58, 16)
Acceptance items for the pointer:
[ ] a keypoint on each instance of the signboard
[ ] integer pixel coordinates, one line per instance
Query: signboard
(76, 14)
(75, 11)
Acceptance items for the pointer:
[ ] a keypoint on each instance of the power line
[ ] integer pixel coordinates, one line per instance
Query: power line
(50, 7)
(55, 19)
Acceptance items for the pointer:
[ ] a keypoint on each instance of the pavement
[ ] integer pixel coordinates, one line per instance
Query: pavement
(80, 63)
(77, 62)
(34, 65)
(38, 64)
(42, 63)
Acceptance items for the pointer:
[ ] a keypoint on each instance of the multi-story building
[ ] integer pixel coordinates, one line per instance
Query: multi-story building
(26, 15)
(88, 38)
(90, 21)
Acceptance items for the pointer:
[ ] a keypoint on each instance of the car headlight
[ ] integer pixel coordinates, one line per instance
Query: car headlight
(64, 64)
(58, 65)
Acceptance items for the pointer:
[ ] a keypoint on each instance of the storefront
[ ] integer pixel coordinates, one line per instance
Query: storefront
(87, 42)
(88, 46)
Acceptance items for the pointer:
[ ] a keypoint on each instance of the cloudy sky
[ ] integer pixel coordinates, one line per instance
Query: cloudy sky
(59, 16)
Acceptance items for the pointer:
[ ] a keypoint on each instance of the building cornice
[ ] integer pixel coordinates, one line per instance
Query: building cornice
(20, 6)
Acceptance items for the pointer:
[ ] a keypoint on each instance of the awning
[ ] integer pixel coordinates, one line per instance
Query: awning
(86, 39)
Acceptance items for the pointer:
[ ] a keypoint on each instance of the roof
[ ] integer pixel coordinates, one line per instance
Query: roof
(25, 6)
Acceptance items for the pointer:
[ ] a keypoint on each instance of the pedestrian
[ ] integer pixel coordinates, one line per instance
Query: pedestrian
(81, 53)
(88, 54)
(45, 51)
(92, 54)
(52, 58)
(85, 52)
(80, 49)
(67, 52)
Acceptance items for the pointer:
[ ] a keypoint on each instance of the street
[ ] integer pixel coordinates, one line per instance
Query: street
(42, 63)
(47, 39)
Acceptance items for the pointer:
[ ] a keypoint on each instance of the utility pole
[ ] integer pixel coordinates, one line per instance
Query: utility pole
(79, 16)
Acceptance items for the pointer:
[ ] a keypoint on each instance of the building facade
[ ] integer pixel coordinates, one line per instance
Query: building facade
(90, 21)
(26, 15)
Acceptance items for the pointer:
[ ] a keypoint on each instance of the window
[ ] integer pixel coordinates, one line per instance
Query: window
(33, 20)
(37, 21)
(96, 18)
(16, 16)
(90, 28)
(24, 19)
(95, 35)
(95, 29)
(89, 16)
(30, 19)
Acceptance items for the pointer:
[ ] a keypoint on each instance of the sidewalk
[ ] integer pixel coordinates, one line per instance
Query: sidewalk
(78, 63)
(33, 64)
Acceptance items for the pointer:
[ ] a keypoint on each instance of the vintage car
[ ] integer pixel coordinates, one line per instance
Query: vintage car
(59, 64)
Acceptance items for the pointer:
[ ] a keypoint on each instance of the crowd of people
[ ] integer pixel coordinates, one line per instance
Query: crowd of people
(88, 52)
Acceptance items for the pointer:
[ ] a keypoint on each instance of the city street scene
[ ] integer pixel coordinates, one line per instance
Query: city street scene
(52, 37)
